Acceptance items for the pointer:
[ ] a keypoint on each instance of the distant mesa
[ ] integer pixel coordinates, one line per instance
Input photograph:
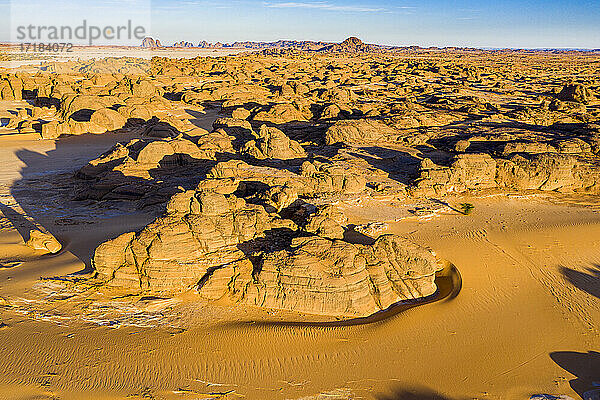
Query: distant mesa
(150, 43)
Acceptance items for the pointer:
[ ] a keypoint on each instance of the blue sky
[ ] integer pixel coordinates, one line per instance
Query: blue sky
(508, 23)
(503, 23)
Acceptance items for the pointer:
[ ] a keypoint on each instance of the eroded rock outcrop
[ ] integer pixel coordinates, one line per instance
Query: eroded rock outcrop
(150, 43)
(41, 240)
(466, 172)
(200, 232)
(565, 173)
(225, 248)
(359, 132)
(575, 92)
(547, 171)
(282, 113)
(273, 143)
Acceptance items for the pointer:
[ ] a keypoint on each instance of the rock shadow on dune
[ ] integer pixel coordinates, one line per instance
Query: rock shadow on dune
(585, 366)
(20, 223)
(588, 281)
(46, 191)
(412, 393)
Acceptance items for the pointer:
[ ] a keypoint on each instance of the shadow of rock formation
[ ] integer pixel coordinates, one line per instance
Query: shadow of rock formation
(21, 224)
(415, 393)
(585, 366)
(46, 194)
(588, 282)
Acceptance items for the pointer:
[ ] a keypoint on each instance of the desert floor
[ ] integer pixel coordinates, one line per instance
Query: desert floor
(525, 321)
(21, 59)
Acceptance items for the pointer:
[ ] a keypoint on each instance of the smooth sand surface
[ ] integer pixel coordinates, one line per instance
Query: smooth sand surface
(525, 320)
(99, 52)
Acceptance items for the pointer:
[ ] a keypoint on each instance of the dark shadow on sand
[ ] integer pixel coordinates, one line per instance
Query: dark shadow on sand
(588, 281)
(47, 188)
(585, 366)
(21, 224)
(408, 393)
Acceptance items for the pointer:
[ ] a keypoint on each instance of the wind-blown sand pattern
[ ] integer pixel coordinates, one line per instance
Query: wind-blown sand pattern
(354, 222)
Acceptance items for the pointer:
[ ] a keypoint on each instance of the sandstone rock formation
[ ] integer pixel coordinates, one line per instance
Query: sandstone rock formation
(359, 131)
(43, 241)
(183, 43)
(223, 247)
(282, 113)
(538, 171)
(273, 143)
(466, 172)
(547, 171)
(575, 92)
(150, 43)
(327, 221)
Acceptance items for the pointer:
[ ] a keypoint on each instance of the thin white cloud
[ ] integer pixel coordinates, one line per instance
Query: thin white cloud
(324, 6)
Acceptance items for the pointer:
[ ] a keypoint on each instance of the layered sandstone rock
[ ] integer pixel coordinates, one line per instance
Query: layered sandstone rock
(335, 128)
(328, 221)
(564, 173)
(199, 233)
(140, 155)
(575, 92)
(547, 171)
(221, 245)
(282, 113)
(315, 177)
(466, 172)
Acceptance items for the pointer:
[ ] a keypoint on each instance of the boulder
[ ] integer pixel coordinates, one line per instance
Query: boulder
(108, 119)
(154, 152)
(280, 197)
(50, 130)
(282, 113)
(575, 92)
(43, 241)
(273, 143)
(328, 221)
(359, 132)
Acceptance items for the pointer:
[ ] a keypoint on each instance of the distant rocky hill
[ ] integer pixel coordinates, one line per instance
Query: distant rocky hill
(351, 45)
(149, 43)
